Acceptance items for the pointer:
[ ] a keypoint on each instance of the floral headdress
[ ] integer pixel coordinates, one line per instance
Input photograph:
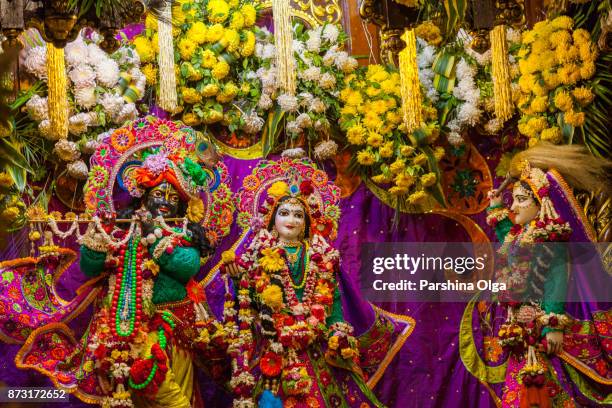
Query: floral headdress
(297, 178)
(148, 151)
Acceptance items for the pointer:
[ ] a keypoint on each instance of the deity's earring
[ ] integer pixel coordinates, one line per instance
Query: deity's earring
(274, 232)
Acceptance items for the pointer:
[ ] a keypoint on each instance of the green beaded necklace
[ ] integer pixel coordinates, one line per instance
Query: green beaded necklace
(295, 267)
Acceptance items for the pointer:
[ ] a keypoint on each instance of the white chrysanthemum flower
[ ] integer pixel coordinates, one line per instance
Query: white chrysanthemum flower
(38, 108)
(107, 72)
(350, 64)
(305, 99)
(95, 54)
(251, 75)
(455, 139)
(112, 103)
(303, 120)
(76, 52)
(454, 125)
(127, 56)
(331, 33)
(259, 48)
(287, 102)
(140, 80)
(317, 106)
(465, 70)
(426, 57)
(293, 128)
(313, 43)
(36, 61)
(325, 150)
(294, 153)
(44, 128)
(90, 146)
(327, 81)
(82, 76)
(127, 112)
(78, 169)
(493, 126)
(265, 102)
(267, 77)
(78, 124)
(298, 46)
(321, 124)
(512, 35)
(85, 97)
(252, 123)
(329, 58)
(310, 74)
(66, 150)
(269, 51)
(468, 114)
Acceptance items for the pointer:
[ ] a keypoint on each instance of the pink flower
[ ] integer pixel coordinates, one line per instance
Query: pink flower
(543, 192)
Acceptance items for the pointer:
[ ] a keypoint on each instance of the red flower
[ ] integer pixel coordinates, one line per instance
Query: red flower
(516, 228)
(322, 227)
(543, 192)
(306, 188)
(195, 292)
(318, 311)
(271, 364)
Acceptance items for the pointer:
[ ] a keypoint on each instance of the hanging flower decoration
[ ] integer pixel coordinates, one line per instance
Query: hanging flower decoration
(102, 90)
(215, 61)
(371, 116)
(12, 207)
(556, 64)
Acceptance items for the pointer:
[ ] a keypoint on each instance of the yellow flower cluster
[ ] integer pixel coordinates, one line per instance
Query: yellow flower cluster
(429, 32)
(555, 63)
(210, 36)
(371, 117)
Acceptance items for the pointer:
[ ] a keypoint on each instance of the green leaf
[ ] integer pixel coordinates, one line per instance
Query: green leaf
(19, 176)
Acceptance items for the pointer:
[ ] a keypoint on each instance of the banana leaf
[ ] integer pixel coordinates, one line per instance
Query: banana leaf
(271, 131)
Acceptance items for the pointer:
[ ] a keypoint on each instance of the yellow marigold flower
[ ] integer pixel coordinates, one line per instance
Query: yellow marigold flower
(528, 37)
(215, 33)
(231, 39)
(190, 95)
(372, 121)
(552, 135)
(588, 52)
(428, 179)
(192, 73)
(271, 261)
(583, 95)
(191, 119)
(348, 110)
(429, 32)
(575, 119)
(386, 151)
(527, 82)
(144, 49)
(248, 46)
(178, 15)
(537, 124)
(278, 189)
(6, 180)
(197, 32)
(388, 86)
(563, 101)
(394, 117)
(354, 98)
(209, 59)
(587, 70)
(195, 210)
(272, 296)
(356, 135)
(218, 11)
(404, 180)
(373, 70)
(10, 215)
(375, 139)
(333, 342)
(397, 166)
(220, 70)
(581, 36)
(526, 130)
(347, 353)
(420, 159)
(398, 191)
(539, 90)
(230, 90)
(561, 38)
(439, 153)
(249, 13)
(551, 79)
(406, 150)
(539, 46)
(417, 198)
(228, 256)
(539, 104)
(562, 22)
(533, 141)
(187, 48)
(567, 54)
(237, 20)
(365, 158)
(210, 90)
(372, 92)
(151, 22)
(381, 179)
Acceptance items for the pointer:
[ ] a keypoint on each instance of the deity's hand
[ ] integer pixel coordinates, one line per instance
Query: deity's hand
(554, 341)
(233, 269)
(495, 198)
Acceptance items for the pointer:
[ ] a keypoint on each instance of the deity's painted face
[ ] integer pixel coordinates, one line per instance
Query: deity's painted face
(524, 205)
(290, 220)
(163, 200)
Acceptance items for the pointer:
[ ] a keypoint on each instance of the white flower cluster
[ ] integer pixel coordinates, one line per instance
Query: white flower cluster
(102, 91)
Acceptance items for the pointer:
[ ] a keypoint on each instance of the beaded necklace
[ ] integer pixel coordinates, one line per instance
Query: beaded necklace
(295, 267)
(126, 309)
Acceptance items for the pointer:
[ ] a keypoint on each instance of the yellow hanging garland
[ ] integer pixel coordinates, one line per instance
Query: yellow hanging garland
(168, 98)
(410, 85)
(58, 92)
(500, 70)
(283, 38)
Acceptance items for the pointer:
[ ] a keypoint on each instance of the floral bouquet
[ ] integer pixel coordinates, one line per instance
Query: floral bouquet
(296, 380)
(555, 63)
(215, 61)
(102, 93)
(371, 115)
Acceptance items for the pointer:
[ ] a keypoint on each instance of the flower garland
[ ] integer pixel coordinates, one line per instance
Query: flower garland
(215, 43)
(12, 207)
(289, 325)
(103, 90)
(555, 63)
(371, 116)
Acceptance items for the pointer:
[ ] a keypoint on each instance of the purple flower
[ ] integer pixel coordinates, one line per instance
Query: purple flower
(156, 163)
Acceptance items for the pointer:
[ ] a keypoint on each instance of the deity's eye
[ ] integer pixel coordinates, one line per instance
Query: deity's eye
(298, 214)
(283, 213)
(156, 194)
(174, 198)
